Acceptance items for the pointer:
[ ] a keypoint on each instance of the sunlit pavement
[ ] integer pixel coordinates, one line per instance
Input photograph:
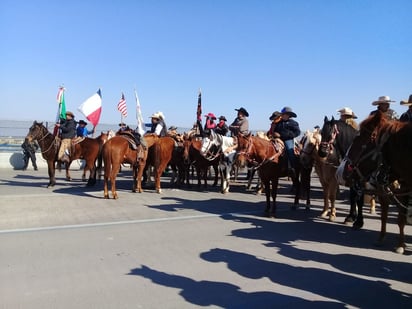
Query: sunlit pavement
(67, 247)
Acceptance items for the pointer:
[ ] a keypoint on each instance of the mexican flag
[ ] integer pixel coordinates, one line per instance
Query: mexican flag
(62, 103)
(92, 108)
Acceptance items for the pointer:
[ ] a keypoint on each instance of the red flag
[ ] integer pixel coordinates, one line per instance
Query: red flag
(121, 106)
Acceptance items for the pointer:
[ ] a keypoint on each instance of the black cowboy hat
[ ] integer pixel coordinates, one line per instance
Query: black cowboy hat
(173, 128)
(243, 111)
(275, 115)
(222, 118)
(122, 124)
(83, 122)
(288, 111)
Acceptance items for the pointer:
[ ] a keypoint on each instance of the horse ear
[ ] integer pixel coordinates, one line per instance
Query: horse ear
(325, 119)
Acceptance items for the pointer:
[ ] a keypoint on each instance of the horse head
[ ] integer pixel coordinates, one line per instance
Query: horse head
(244, 144)
(364, 155)
(328, 134)
(211, 145)
(310, 143)
(37, 132)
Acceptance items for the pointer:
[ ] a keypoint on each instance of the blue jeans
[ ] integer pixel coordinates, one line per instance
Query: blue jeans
(290, 153)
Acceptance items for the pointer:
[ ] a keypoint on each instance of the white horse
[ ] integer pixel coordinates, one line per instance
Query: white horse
(216, 145)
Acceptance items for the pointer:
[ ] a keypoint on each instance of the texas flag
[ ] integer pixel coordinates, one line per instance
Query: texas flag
(92, 108)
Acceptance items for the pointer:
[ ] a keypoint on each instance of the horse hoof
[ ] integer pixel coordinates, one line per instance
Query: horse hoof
(324, 215)
(357, 225)
(332, 218)
(400, 250)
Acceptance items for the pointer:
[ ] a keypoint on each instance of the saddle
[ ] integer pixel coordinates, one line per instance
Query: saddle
(132, 138)
(279, 148)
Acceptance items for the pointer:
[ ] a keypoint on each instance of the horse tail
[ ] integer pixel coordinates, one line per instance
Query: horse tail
(106, 155)
(100, 160)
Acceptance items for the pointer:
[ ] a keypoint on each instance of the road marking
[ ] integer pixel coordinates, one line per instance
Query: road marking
(88, 225)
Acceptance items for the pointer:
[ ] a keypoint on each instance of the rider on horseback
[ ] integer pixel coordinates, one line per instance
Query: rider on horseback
(68, 132)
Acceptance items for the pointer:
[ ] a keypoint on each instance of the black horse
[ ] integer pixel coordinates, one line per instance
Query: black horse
(338, 136)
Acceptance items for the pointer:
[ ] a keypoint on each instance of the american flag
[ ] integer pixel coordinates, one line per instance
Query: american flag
(121, 106)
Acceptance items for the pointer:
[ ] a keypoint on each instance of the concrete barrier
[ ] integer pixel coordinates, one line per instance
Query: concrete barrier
(14, 161)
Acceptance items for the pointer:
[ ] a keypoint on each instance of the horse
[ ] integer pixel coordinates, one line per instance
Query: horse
(123, 149)
(325, 169)
(337, 136)
(379, 157)
(217, 146)
(88, 149)
(192, 157)
(269, 159)
(159, 156)
(49, 146)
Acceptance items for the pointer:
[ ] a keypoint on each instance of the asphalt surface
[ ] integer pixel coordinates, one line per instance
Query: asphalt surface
(67, 247)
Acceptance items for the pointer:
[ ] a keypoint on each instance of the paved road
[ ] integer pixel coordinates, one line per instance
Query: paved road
(68, 247)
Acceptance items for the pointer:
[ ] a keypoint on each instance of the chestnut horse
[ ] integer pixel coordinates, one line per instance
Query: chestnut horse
(380, 156)
(49, 146)
(192, 157)
(269, 159)
(121, 149)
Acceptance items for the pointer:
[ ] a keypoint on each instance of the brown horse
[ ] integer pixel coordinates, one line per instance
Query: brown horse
(49, 146)
(269, 159)
(326, 170)
(380, 158)
(118, 150)
(88, 149)
(192, 157)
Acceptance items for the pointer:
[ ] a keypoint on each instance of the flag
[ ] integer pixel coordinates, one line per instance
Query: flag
(62, 104)
(199, 107)
(139, 117)
(121, 106)
(92, 108)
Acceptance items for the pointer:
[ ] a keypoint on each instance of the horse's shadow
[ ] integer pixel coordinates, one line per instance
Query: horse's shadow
(223, 294)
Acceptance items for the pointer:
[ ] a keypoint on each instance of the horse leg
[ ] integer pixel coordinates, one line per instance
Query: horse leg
(358, 224)
(51, 170)
(115, 170)
(351, 217)
(216, 170)
(67, 165)
(266, 183)
(333, 188)
(92, 173)
(297, 185)
(384, 202)
(274, 191)
(106, 176)
(134, 187)
(402, 215)
(326, 195)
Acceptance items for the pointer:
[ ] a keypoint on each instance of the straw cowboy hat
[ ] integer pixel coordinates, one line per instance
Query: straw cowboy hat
(158, 115)
(243, 111)
(407, 103)
(211, 115)
(382, 100)
(83, 122)
(275, 115)
(222, 118)
(70, 114)
(287, 110)
(347, 111)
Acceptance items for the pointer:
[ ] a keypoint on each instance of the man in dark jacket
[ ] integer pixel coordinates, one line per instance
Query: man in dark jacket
(407, 116)
(288, 130)
(29, 151)
(68, 132)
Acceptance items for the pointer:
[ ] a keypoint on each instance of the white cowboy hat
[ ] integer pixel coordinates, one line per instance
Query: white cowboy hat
(347, 111)
(383, 99)
(158, 115)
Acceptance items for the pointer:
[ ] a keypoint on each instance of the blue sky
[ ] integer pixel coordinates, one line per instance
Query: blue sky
(314, 56)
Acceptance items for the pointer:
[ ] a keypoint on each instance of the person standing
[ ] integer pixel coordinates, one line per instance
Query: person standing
(68, 132)
(241, 123)
(221, 127)
(82, 131)
(29, 151)
(407, 116)
(288, 129)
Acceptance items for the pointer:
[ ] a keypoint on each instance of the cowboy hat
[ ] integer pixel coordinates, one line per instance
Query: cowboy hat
(158, 115)
(173, 128)
(122, 124)
(70, 114)
(382, 100)
(243, 111)
(347, 111)
(408, 103)
(222, 118)
(211, 115)
(288, 111)
(83, 122)
(274, 115)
